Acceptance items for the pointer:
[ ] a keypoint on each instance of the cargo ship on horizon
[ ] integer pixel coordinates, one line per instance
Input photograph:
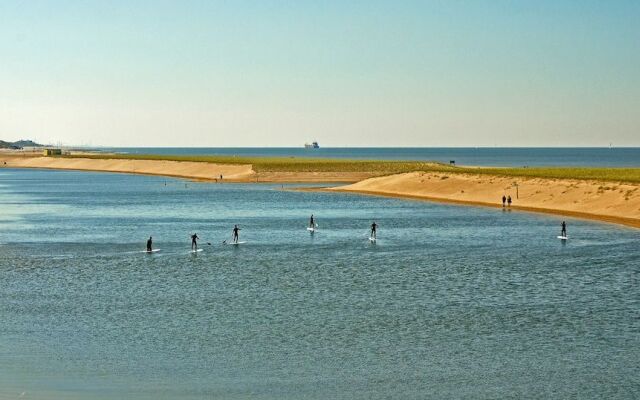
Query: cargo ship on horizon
(313, 145)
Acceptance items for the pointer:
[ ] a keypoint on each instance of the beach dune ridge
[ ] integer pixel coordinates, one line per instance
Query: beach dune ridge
(607, 201)
(179, 169)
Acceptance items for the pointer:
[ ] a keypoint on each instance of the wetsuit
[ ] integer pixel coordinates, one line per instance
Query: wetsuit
(373, 230)
(235, 234)
(194, 237)
(564, 229)
(312, 222)
(149, 245)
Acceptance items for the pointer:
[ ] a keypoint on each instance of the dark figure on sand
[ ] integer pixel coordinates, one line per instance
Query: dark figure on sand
(504, 200)
(194, 243)
(563, 233)
(509, 201)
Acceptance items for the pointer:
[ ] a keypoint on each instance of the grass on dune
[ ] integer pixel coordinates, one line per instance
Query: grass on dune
(384, 167)
(582, 173)
(285, 164)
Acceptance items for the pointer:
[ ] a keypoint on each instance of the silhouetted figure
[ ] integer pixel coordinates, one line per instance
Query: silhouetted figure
(564, 229)
(150, 244)
(236, 230)
(194, 243)
(374, 227)
(509, 201)
(504, 200)
(312, 222)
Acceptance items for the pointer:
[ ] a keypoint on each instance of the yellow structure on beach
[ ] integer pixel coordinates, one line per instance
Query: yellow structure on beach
(52, 152)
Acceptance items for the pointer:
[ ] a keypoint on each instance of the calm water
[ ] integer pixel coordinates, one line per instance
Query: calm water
(487, 156)
(453, 302)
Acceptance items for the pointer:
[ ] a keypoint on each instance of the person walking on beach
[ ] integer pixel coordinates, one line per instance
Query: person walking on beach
(312, 222)
(374, 227)
(563, 233)
(509, 201)
(235, 233)
(150, 245)
(504, 200)
(194, 243)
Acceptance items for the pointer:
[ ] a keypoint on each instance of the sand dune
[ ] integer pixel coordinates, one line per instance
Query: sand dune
(607, 201)
(182, 169)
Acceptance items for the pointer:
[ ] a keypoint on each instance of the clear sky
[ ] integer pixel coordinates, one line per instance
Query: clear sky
(359, 73)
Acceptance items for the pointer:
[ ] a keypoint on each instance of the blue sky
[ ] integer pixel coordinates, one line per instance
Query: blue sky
(438, 73)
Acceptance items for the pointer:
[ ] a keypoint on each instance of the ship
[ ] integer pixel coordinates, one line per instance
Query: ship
(313, 145)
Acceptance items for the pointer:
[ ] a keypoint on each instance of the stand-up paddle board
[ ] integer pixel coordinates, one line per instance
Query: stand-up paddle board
(197, 251)
(234, 243)
(311, 229)
(149, 252)
(372, 239)
(563, 237)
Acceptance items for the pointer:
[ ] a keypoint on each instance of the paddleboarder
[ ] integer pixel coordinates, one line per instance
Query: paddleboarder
(150, 245)
(235, 233)
(312, 222)
(194, 243)
(563, 233)
(374, 227)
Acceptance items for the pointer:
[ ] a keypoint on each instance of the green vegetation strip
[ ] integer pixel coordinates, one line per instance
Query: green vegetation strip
(383, 167)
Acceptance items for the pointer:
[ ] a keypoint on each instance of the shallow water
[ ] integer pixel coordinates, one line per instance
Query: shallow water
(457, 302)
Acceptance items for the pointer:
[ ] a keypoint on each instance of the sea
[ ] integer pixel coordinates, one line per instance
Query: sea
(476, 156)
(450, 302)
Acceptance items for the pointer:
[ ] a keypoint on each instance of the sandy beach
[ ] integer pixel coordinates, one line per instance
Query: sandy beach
(202, 171)
(605, 201)
(178, 169)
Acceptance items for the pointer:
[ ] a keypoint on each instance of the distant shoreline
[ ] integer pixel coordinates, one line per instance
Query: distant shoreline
(466, 156)
(574, 192)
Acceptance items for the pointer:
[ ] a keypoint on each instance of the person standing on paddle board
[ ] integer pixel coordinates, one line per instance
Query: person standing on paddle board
(312, 222)
(374, 226)
(235, 234)
(563, 233)
(150, 244)
(194, 243)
